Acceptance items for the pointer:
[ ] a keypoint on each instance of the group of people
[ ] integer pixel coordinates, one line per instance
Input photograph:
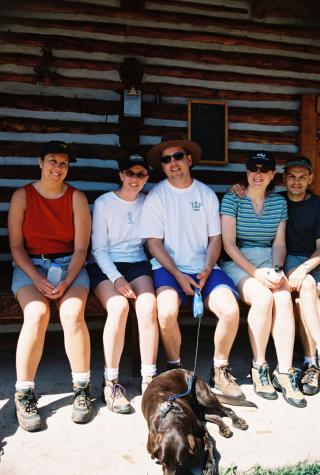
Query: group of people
(178, 225)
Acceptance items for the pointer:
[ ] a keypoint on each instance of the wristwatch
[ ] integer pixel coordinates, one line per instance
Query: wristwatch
(307, 267)
(278, 268)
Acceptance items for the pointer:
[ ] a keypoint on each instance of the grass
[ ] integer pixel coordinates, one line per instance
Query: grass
(302, 468)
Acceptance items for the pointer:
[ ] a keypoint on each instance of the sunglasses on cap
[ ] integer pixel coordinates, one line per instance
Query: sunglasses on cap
(176, 156)
(252, 167)
(131, 174)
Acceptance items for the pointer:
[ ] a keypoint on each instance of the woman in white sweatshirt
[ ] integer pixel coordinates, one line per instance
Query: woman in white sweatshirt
(122, 273)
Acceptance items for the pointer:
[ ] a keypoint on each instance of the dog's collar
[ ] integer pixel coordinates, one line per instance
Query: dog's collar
(167, 406)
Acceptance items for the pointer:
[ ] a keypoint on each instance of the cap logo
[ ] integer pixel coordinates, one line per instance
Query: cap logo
(63, 145)
(136, 158)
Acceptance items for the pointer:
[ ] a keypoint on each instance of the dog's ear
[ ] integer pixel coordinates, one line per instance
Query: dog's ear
(154, 444)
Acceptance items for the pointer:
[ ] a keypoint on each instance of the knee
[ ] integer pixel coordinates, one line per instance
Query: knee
(229, 313)
(146, 308)
(36, 316)
(118, 307)
(71, 318)
(308, 286)
(167, 317)
(263, 300)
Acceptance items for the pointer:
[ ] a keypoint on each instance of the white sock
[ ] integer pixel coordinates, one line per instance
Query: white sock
(148, 370)
(174, 361)
(80, 377)
(283, 369)
(310, 360)
(111, 374)
(218, 363)
(24, 385)
(257, 363)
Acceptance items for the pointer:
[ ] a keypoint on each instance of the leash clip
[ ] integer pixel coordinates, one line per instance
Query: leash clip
(165, 408)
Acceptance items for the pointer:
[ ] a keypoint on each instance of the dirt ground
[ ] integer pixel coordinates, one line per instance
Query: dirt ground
(111, 443)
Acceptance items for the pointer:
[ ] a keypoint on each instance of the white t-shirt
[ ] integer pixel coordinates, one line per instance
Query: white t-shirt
(183, 218)
(115, 232)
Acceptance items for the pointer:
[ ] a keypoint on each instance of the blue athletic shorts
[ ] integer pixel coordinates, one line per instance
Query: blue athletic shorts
(129, 270)
(295, 261)
(20, 279)
(217, 278)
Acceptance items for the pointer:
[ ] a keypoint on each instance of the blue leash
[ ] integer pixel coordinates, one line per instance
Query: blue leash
(198, 314)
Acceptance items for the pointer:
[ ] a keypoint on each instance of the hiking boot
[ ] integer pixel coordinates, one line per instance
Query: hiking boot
(222, 379)
(82, 405)
(310, 381)
(145, 383)
(26, 409)
(287, 383)
(262, 383)
(113, 394)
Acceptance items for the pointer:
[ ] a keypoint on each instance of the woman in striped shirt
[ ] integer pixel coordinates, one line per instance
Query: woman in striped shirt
(253, 231)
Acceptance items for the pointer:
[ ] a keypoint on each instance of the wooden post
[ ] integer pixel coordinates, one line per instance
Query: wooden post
(309, 141)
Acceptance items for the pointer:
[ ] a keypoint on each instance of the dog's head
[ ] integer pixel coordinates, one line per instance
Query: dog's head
(176, 451)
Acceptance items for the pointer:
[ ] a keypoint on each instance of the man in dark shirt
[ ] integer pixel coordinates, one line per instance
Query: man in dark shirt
(303, 262)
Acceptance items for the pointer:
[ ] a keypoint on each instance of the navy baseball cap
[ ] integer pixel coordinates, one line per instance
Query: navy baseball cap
(262, 158)
(56, 146)
(127, 161)
(299, 161)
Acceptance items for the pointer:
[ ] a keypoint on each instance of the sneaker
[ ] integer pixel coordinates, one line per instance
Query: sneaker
(26, 409)
(310, 381)
(262, 383)
(222, 379)
(82, 405)
(287, 383)
(145, 383)
(113, 395)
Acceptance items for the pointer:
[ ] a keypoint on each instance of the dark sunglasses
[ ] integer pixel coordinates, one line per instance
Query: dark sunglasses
(176, 156)
(262, 168)
(131, 174)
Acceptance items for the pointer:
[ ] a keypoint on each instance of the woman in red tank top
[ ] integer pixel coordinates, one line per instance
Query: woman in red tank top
(49, 228)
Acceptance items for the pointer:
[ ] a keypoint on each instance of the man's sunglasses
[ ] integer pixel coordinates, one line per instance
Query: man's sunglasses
(176, 156)
(262, 168)
(131, 174)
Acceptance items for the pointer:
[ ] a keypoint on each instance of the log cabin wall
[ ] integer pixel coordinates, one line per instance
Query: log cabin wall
(59, 79)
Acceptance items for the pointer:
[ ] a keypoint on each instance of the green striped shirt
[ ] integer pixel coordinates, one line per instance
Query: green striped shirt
(255, 230)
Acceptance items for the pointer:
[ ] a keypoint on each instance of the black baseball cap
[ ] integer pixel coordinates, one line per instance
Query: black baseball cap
(299, 161)
(262, 158)
(56, 146)
(127, 161)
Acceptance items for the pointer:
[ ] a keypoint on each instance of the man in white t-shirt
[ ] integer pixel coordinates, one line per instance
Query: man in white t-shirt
(181, 222)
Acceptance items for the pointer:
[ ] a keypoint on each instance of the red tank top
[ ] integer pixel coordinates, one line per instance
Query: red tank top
(48, 226)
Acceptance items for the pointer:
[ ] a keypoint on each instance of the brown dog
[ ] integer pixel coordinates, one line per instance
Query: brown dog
(178, 436)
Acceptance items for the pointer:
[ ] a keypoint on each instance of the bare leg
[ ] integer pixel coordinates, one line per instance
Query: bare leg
(283, 327)
(36, 312)
(117, 307)
(145, 307)
(168, 309)
(308, 343)
(76, 335)
(223, 304)
(309, 308)
(260, 299)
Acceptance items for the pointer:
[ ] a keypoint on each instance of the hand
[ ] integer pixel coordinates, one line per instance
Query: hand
(238, 190)
(203, 277)
(297, 277)
(187, 283)
(124, 288)
(58, 291)
(43, 285)
(268, 277)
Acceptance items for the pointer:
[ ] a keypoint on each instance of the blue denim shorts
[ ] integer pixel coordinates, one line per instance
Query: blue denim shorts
(20, 279)
(217, 278)
(129, 270)
(295, 261)
(258, 256)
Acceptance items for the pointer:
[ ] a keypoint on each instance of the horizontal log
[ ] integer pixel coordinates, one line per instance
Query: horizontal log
(264, 62)
(110, 13)
(160, 89)
(159, 111)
